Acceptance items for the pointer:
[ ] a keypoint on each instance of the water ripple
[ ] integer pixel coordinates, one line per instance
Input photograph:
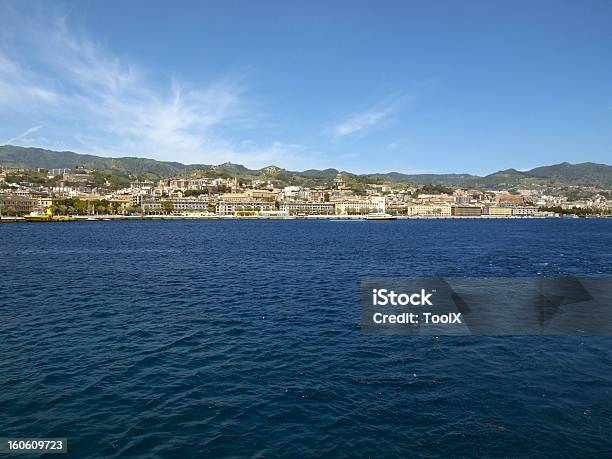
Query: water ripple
(242, 338)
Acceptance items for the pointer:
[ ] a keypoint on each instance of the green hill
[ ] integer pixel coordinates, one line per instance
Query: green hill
(558, 175)
(48, 159)
(456, 180)
(592, 174)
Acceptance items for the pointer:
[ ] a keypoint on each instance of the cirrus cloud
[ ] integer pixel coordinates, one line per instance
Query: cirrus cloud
(93, 101)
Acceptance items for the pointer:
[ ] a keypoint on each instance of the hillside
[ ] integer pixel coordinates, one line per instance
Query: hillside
(558, 175)
(48, 159)
(456, 180)
(579, 174)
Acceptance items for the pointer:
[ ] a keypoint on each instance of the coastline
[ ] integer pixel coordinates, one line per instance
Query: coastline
(86, 218)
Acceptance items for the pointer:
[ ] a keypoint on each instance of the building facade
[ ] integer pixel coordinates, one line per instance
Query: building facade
(498, 211)
(466, 211)
(16, 205)
(308, 208)
(441, 210)
(238, 207)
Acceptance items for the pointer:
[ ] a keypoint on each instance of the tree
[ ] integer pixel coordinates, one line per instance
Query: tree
(434, 189)
(167, 207)
(101, 207)
(115, 206)
(80, 206)
(8, 210)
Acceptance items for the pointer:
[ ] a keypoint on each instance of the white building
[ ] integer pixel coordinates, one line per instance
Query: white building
(355, 207)
(308, 208)
(440, 210)
(522, 211)
(247, 205)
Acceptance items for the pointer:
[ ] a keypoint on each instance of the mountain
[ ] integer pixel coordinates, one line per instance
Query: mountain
(48, 159)
(579, 174)
(271, 170)
(509, 178)
(558, 175)
(457, 180)
(328, 174)
(229, 168)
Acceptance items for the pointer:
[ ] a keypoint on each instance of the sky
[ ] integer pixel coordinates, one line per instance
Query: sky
(410, 86)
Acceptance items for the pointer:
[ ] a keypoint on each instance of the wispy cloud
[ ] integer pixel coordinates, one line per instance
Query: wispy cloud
(97, 102)
(19, 87)
(23, 134)
(359, 122)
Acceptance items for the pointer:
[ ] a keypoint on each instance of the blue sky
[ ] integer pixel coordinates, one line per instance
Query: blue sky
(409, 86)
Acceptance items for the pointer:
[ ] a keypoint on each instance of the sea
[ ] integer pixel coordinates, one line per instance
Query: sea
(180, 339)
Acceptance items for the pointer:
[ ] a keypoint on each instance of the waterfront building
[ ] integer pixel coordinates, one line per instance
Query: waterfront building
(379, 202)
(498, 211)
(179, 205)
(308, 208)
(236, 207)
(249, 195)
(137, 199)
(151, 207)
(45, 202)
(355, 207)
(18, 204)
(121, 203)
(189, 205)
(466, 211)
(441, 210)
(523, 211)
(273, 213)
(397, 208)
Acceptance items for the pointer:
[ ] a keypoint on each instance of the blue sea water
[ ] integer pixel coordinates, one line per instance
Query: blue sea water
(242, 338)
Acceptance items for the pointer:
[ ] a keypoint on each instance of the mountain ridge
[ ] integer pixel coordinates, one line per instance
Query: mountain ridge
(583, 174)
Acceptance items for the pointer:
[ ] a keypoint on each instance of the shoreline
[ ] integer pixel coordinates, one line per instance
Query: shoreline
(88, 218)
